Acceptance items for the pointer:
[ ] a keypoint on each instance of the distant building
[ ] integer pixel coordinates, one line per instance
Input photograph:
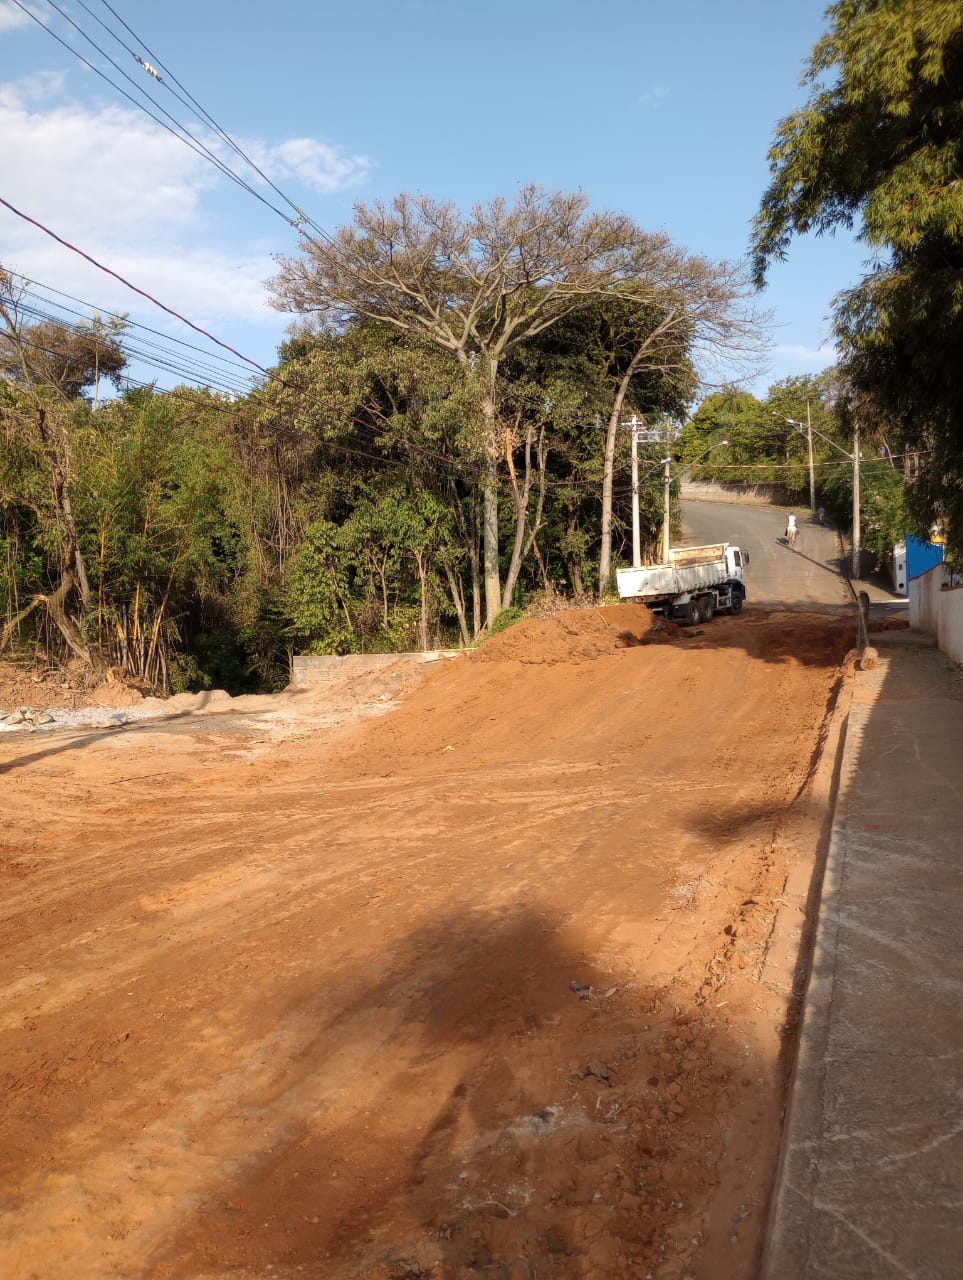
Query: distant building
(911, 558)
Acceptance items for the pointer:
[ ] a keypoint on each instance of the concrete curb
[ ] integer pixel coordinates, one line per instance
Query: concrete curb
(787, 1244)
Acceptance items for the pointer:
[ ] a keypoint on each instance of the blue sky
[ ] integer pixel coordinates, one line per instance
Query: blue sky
(664, 112)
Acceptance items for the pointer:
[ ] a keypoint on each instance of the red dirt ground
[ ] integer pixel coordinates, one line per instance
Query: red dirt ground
(477, 988)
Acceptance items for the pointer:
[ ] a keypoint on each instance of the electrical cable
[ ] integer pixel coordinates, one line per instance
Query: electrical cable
(115, 315)
(191, 102)
(150, 298)
(184, 135)
(154, 355)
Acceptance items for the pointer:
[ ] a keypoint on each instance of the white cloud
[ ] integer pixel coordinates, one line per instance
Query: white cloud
(816, 357)
(42, 87)
(321, 167)
(653, 97)
(106, 170)
(201, 283)
(11, 16)
(130, 194)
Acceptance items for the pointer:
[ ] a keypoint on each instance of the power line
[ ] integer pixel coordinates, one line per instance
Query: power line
(191, 101)
(150, 298)
(184, 135)
(180, 131)
(150, 353)
(82, 327)
(116, 315)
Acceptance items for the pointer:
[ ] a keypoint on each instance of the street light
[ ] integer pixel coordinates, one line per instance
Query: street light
(854, 459)
(809, 441)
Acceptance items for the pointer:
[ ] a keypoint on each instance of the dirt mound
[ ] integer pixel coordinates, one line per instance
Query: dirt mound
(576, 635)
(24, 686)
(481, 987)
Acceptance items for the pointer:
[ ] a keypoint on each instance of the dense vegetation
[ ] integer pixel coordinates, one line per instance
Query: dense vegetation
(442, 442)
(879, 146)
(395, 483)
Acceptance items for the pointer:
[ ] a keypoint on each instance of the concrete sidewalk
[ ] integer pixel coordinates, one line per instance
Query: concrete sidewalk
(871, 1180)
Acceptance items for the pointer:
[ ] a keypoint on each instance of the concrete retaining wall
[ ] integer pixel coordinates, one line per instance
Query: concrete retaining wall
(761, 494)
(308, 669)
(937, 607)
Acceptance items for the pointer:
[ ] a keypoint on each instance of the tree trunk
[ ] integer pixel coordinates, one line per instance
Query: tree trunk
(423, 590)
(493, 594)
(493, 587)
(13, 622)
(622, 390)
(523, 545)
(64, 623)
(608, 473)
(521, 493)
(64, 508)
(458, 600)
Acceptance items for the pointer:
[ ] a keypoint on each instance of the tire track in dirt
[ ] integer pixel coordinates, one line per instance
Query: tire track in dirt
(316, 1013)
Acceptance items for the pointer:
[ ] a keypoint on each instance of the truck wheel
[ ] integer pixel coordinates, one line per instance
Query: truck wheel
(693, 613)
(707, 604)
(737, 597)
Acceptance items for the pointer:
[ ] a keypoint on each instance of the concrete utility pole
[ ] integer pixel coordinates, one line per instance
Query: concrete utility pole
(636, 519)
(812, 469)
(666, 507)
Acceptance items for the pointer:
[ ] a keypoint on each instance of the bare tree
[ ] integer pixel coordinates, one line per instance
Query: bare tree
(691, 315)
(476, 287)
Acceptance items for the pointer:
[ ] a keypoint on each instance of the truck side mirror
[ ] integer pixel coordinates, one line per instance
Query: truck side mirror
(745, 557)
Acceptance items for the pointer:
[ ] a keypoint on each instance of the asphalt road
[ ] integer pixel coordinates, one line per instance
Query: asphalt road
(806, 576)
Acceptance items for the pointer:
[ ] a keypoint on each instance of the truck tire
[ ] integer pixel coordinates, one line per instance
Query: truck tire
(693, 613)
(737, 599)
(708, 607)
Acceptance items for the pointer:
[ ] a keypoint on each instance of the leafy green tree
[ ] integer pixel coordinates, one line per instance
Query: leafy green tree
(879, 145)
(37, 471)
(157, 498)
(64, 358)
(394, 432)
(478, 288)
(758, 441)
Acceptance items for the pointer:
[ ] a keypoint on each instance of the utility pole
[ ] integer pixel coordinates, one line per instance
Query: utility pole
(666, 498)
(856, 528)
(666, 507)
(812, 469)
(636, 520)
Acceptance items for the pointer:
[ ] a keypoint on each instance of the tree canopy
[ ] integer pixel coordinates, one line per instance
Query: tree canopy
(441, 445)
(879, 146)
(481, 286)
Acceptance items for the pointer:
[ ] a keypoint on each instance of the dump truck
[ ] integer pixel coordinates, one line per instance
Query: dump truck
(695, 583)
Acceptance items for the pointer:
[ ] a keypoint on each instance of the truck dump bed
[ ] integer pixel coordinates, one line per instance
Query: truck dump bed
(698, 555)
(690, 570)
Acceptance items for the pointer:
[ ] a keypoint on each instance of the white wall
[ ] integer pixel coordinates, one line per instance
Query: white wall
(938, 608)
(709, 491)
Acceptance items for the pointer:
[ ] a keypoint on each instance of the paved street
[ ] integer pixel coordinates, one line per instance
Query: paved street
(806, 576)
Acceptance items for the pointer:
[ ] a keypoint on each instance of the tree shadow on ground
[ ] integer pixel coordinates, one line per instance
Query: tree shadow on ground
(496, 1104)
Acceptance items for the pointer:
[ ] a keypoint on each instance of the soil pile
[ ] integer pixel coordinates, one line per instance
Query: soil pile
(483, 986)
(67, 688)
(577, 635)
